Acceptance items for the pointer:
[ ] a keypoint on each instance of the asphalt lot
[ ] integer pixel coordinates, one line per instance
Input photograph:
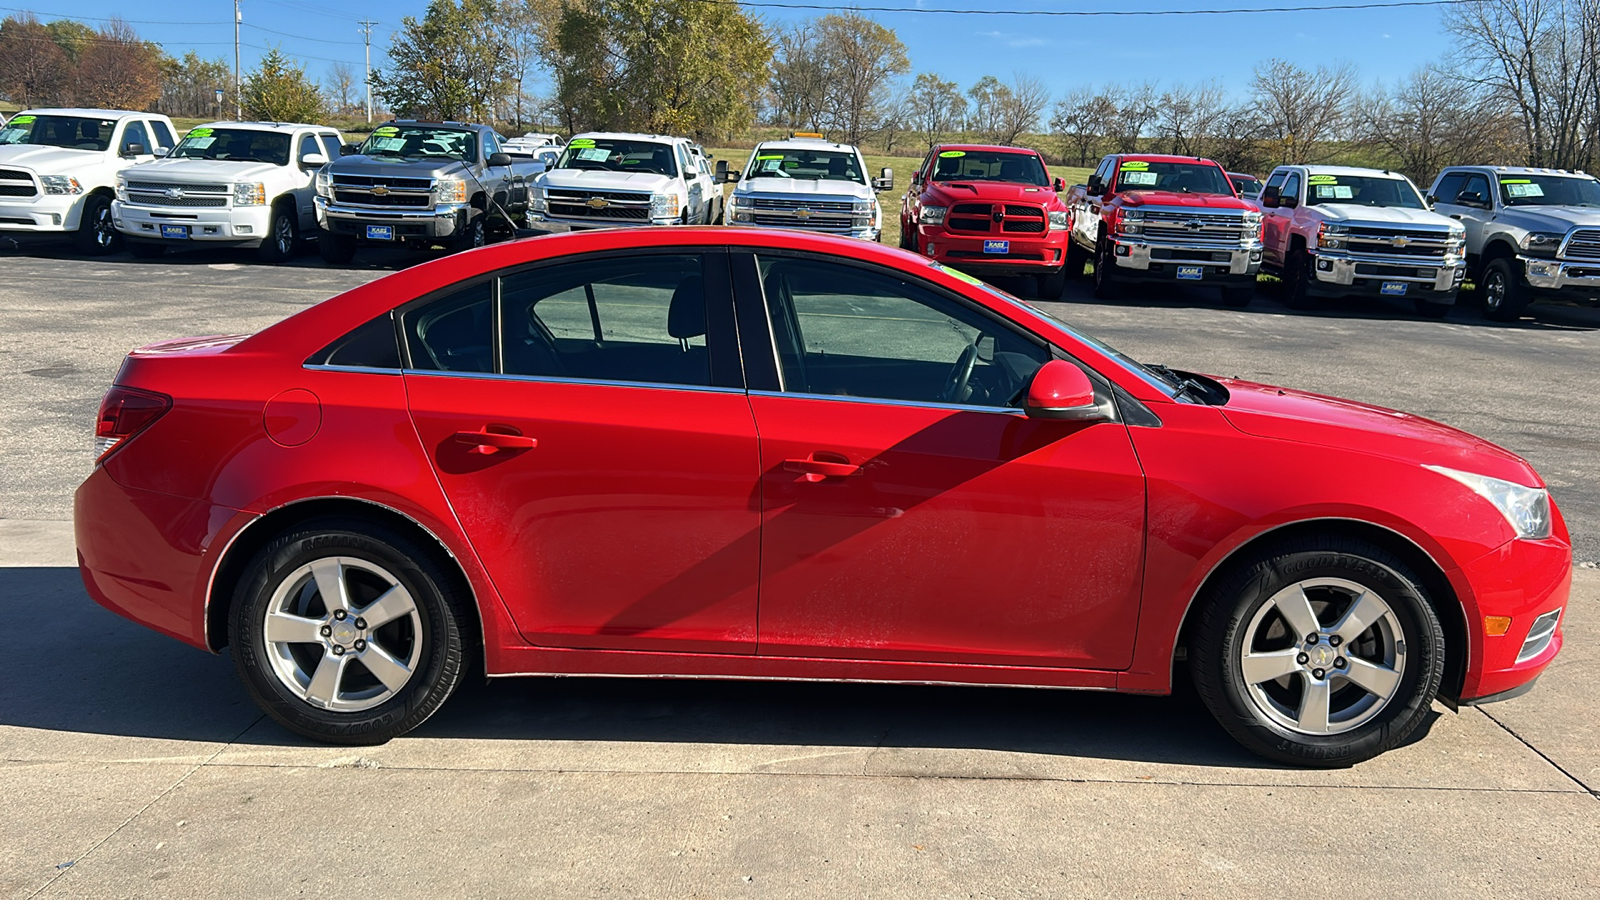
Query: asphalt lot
(134, 766)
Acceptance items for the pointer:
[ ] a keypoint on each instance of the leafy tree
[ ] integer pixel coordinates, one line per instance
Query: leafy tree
(117, 70)
(862, 58)
(936, 107)
(72, 37)
(280, 91)
(451, 65)
(189, 86)
(34, 70)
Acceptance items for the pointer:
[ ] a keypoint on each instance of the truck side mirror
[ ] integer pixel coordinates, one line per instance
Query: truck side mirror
(499, 160)
(1269, 196)
(133, 150)
(1095, 187)
(1058, 185)
(1471, 198)
(1288, 201)
(313, 161)
(884, 181)
(722, 171)
(349, 149)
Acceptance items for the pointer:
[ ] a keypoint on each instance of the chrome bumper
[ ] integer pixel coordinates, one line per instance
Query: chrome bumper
(443, 221)
(1339, 268)
(1133, 253)
(1555, 274)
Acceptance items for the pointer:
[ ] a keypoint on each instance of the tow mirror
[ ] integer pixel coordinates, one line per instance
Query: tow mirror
(313, 160)
(499, 160)
(1058, 185)
(885, 180)
(133, 150)
(1288, 201)
(1471, 198)
(1061, 391)
(1269, 196)
(722, 171)
(1095, 187)
(349, 149)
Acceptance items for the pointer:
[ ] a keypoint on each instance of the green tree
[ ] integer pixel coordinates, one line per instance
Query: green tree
(675, 68)
(72, 37)
(863, 58)
(189, 86)
(449, 66)
(34, 70)
(279, 91)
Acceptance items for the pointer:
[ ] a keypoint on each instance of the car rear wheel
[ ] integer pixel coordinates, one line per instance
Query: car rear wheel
(336, 248)
(348, 633)
(281, 235)
(1502, 292)
(1321, 652)
(96, 235)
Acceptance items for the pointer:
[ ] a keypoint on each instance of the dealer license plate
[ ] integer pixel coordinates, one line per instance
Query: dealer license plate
(997, 246)
(1191, 273)
(1394, 288)
(175, 232)
(380, 232)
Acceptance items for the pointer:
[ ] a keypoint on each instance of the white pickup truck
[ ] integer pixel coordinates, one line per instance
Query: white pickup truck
(1339, 231)
(1530, 232)
(227, 184)
(807, 183)
(606, 180)
(58, 170)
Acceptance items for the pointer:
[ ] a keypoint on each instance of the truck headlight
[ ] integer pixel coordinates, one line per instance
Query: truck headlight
(60, 184)
(932, 215)
(864, 213)
(253, 194)
(1542, 243)
(1526, 509)
(324, 184)
(122, 189)
(1131, 222)
(1331, 236)
(664, 206)
(736, 213)
(450, 190)
(536, 200)
(1060, 218)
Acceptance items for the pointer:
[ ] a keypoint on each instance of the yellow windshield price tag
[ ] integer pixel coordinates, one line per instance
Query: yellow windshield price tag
(200, 132)
(952, 154)
(1134, 164)
(22, 120)
(1322, 179)
(1516, 181)
(385, 131)
(765, 158)
(582, 142)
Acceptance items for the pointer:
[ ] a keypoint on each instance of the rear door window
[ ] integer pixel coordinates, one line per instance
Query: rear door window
(163, 134)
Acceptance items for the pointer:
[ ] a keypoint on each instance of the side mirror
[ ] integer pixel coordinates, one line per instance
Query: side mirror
(1471, 198)
(1061, 391)
(313, 161)
(884, 181)
(1288, 201)
(349, 149)
(1095, 187)
(1269, 196)
(133, 150)
(499, 160)
(1058, 185)
(722, 171)
(163, 151)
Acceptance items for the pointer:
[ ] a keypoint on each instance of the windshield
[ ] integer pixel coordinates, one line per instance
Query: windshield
(1362, 190)
(422, 142)
(806, 164)
(1245, 184)
(1549, 190)
(71, 132)
(1177, 177)
(990, 165)
(235, 145)
(620, 155)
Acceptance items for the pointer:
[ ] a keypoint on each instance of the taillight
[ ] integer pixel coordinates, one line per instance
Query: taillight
(124, 412)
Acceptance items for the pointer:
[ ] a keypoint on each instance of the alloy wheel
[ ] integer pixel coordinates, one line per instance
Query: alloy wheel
(283, 234)
(104, 232)
(1494, 290)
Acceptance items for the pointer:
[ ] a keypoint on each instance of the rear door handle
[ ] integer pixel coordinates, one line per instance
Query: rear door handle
(494, 438)
(815, 469)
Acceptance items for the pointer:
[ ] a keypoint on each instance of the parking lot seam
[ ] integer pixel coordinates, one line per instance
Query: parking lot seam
(1591, 791)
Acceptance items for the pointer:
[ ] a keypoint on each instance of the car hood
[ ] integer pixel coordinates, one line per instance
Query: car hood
(957, 191)
(49, 160)
(804, 187)
(205, 171)
(1173, 198)
(1548, 218)
(1273, 412)
(1388, 215)
(388, 167)
(602, 180)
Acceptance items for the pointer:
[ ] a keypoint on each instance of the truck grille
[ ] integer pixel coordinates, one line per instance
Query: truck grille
(399, 184)
(1385, 241)
(1197, 228)
(14, 183)
(1013, 218)
(832, 216)
(610, 206)
(1583, 244)
(363, 197)
(154, 193)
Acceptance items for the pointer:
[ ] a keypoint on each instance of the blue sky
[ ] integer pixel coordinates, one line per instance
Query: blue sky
(1062, 52)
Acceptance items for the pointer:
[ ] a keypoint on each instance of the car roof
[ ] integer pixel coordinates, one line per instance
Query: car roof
(994, 147)
(1347, 170)
(805, 144)
(1523, 170)
(89, 113)
(1164, 157)
(628, 136)
(266, 126)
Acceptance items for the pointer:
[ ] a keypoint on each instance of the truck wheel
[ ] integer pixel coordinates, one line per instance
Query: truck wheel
(1238, 297)
(282, 235)
(1502, 293)
(1050, 285)
(336, 248)
(476, 235)
(1105, 286)
(1077, 258)
(1297, 280)
(96, 236)
(145, 249)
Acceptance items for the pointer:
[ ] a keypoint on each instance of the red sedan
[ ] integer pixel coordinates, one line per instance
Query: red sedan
(721, 453)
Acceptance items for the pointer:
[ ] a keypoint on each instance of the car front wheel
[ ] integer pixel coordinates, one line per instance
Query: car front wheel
(1501, 292)
(1323, 652)
(348, 633)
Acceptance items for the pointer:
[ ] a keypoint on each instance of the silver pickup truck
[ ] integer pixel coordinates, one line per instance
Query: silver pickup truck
(422, 184)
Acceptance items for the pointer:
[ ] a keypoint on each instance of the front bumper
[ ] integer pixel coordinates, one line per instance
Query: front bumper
(1340, 273)
(41, 214)
(1556, 275)
(445, 220)
(234, 226)
(1525, 580)
(1143, 260)
(1023, 255)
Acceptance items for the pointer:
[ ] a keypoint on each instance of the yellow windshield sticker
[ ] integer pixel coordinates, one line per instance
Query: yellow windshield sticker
(952, 154)
(1323, 179)
(765, 158)
(582, 142)
(1516, 181)
(22, 120)
(385, 131)
(1135, 164)
(200, 132)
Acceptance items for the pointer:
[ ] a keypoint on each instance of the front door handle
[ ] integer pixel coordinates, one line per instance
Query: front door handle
(830, 465)
(1455, 215)
(494, 438)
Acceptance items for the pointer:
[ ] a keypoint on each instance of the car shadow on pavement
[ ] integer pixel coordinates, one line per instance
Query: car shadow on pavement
(68, 665)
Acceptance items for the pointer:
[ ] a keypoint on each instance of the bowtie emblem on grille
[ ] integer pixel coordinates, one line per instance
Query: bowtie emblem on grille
(173, 193)
(598, 203)
(1194, 224)
(1400, 241)
(802, 213)
(379, 190)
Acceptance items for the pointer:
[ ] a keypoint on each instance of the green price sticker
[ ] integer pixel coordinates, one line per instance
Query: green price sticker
(199, 132)
(952, 154)
(1323, 179)
(582, 142)
(22, 120)
(385, 131)
(1133, 164)
(765, 158)
(1516, 181)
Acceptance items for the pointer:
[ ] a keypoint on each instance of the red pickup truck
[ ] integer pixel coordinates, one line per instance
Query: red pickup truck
(988, 211)
(1144, 217)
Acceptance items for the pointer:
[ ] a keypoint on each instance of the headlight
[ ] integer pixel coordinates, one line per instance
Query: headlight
(1526, 509)
(122, 189)
(250, 194)
(536, 199)
(1060, 218)
(932, 215)
(664, 206)
(1131, 221)
(324, 184)
(1331, 236)
(451, 190)
(736, 213)
(1542, 243)
(60, 184)
(864, 212)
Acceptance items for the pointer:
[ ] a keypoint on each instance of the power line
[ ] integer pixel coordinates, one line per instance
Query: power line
(74, 16)
(1093, 13)
(299, 37)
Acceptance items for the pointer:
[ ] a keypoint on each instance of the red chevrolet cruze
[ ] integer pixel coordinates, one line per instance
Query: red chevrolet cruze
(758, 454)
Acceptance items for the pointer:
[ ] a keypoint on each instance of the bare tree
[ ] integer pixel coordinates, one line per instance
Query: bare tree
(1021, 105)
(798, 83)
(1078, 121)
(1236, 140)
(341, 88)
(1302, 111)
(1135, 110)
(862, 59)
(1186, 117)
(934, 107)
(1430, 120)
(189, 86)
(984, 100)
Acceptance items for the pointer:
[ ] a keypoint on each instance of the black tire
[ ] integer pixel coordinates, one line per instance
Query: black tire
(1106, 287)
(146, 249)
(1501, 291)
(1050, 285)
(336, 249)
(1233, 609)
(1238, 297)
(1297, 280)
(1077, 259)
(1430, 310)
(283, 235)
(444, 654)
(476, 234)
(96, 235)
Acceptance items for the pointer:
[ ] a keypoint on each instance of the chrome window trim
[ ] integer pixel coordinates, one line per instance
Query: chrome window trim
(881, 401)
(370, 370)
(561, 379)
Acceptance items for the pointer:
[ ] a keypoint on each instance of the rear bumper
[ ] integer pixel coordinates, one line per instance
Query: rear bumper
(241, 226)
(42, 214)
(1526, 580)
(447, 220)
(979, 254)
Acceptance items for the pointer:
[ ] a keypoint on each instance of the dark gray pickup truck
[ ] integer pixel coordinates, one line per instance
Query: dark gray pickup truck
(422, 185)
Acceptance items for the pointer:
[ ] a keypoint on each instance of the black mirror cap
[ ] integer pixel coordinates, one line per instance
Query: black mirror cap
(499, 159)
(349, 149)
(1269, 197)
(722, 170)
(1471, 198)
(1289, 202)
(1059, 184)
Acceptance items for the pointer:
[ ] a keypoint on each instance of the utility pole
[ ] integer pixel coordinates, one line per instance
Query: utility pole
(238, 106)
(366, 28)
